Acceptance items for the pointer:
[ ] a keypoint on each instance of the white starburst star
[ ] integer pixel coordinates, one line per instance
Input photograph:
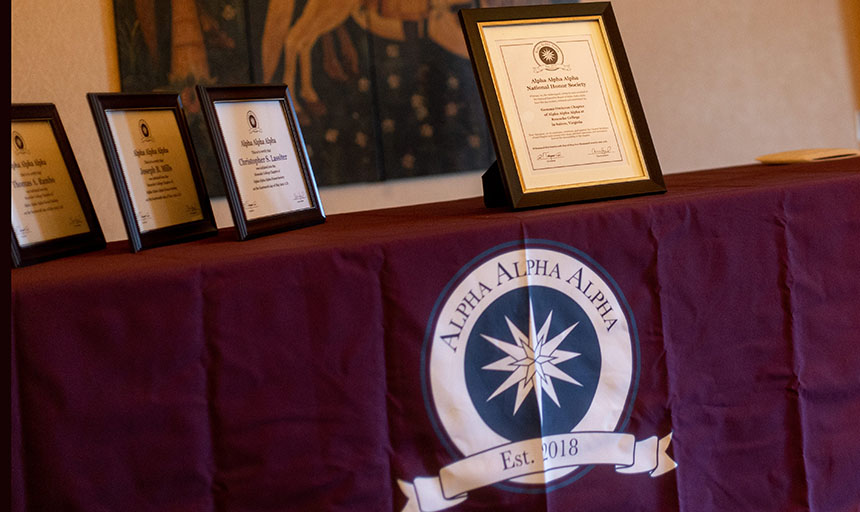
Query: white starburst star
(548, 55)
(532, 361)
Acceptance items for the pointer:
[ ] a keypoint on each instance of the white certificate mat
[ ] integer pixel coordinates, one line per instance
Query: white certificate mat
(263, 158)
(155, 166)
(45, 205)
(562, 103)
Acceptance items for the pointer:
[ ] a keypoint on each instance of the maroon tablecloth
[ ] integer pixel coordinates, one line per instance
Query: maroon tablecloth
(291, 372)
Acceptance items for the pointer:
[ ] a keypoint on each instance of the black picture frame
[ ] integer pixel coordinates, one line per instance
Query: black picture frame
(88, 234)
(535, 164)
(241, 175)
(195, 218)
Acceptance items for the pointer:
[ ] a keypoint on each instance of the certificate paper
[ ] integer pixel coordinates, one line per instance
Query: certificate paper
(155, 167)
(45, 205)
(263, 157)
(562, 102)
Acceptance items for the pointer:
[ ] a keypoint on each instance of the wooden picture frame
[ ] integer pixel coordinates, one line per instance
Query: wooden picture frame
(267, 173)
(564, 114)
(52, 214)
(153, 167)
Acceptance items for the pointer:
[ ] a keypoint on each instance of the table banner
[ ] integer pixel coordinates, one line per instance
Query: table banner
(453, 357)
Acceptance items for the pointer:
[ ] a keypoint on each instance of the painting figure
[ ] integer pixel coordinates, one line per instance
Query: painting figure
(323, 19)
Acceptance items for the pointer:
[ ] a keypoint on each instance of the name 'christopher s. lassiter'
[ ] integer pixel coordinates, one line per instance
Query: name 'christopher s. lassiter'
(263, 159)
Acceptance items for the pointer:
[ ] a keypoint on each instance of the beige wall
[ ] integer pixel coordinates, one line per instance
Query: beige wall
(851, 19)
(721, 82)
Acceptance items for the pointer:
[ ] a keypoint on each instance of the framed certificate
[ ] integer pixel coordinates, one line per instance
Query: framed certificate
(52, 215)
(153, 167)
(259, 144)
(563, 110)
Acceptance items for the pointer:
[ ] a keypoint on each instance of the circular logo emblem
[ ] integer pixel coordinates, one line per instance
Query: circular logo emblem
(528, 343)
(145, 133)
(253, 123)
(19, 143)
(548, 54)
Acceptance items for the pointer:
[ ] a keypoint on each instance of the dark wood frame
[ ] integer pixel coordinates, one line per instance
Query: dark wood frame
(245, 228)
(102, 102)
(64, 246)
(502, 184)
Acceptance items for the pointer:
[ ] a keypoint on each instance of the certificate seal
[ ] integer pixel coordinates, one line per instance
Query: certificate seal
(530, 369)
(548, 56)
(145, 132)
(19, 145)
(253, 122)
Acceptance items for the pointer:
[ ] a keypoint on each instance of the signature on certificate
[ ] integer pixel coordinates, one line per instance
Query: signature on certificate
(601, 152)
(548, 156)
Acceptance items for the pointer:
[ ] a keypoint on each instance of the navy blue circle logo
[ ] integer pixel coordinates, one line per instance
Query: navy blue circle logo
(529, 346)
(532, 363)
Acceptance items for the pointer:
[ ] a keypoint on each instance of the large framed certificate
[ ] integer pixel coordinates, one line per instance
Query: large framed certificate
(153, 167)
(52, 215)
(259, 145)
(564, 113)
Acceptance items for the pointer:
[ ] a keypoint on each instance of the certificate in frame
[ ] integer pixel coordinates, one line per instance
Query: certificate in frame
(267, 173)
(52, 215)
(564, 114)
(153, 167)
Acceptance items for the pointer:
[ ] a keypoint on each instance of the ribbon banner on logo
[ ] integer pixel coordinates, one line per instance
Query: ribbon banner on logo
(538, 455)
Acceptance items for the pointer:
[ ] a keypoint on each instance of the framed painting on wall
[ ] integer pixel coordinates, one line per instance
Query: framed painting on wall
(382, 90)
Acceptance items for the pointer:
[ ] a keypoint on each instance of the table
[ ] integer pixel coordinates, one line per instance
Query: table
(295, 371)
